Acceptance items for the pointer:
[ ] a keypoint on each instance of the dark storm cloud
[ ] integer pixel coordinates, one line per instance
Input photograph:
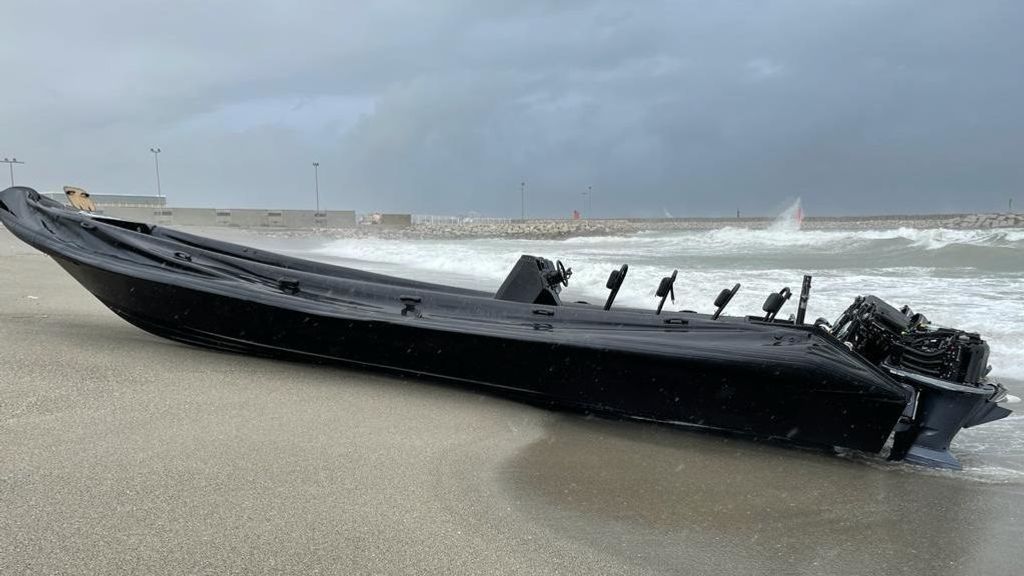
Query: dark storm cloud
(444, 107)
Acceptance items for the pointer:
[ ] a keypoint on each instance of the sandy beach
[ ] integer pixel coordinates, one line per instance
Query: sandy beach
(124, 453)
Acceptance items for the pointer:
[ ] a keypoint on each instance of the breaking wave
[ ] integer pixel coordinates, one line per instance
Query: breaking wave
(971, 279)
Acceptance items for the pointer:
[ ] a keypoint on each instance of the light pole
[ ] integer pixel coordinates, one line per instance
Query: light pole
(522, 200)
(590, 201)
(11, 162)
(156, 161)
(316, 185)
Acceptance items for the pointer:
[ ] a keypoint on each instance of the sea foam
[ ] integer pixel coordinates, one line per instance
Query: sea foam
(970, 279)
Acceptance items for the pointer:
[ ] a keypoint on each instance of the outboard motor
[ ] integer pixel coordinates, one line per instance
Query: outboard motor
(946, 368)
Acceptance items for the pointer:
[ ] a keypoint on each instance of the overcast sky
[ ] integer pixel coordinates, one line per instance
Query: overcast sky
(445, 106)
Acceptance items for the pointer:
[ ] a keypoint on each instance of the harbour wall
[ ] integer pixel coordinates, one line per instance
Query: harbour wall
(234, 217)
(342, 219)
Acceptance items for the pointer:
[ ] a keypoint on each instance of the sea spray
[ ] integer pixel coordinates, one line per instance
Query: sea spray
(790, 219)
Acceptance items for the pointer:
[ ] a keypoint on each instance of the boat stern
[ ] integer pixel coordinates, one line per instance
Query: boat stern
(939, 411)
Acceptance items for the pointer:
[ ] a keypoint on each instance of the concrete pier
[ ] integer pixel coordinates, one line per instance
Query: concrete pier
(154, 209)
(233, 217)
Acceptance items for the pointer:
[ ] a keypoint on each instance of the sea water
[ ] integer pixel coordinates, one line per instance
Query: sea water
(968, 279)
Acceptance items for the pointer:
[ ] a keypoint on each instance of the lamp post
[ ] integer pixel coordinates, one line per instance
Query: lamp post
(11, 162)
(316, 185)
(156, 161)
(522, 200)
(590, 201)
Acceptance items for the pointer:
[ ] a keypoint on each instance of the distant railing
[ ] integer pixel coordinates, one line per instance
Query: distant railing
(434, 220)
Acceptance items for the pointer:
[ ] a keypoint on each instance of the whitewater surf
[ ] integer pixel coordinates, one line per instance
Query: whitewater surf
(974, 277)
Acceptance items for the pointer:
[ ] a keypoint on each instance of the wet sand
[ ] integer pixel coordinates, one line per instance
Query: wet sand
(124, 453)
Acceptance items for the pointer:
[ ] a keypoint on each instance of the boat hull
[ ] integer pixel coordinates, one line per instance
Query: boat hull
(756, 398)
(792, 383)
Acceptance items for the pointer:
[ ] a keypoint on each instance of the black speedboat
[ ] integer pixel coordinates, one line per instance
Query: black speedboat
(878, 372)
